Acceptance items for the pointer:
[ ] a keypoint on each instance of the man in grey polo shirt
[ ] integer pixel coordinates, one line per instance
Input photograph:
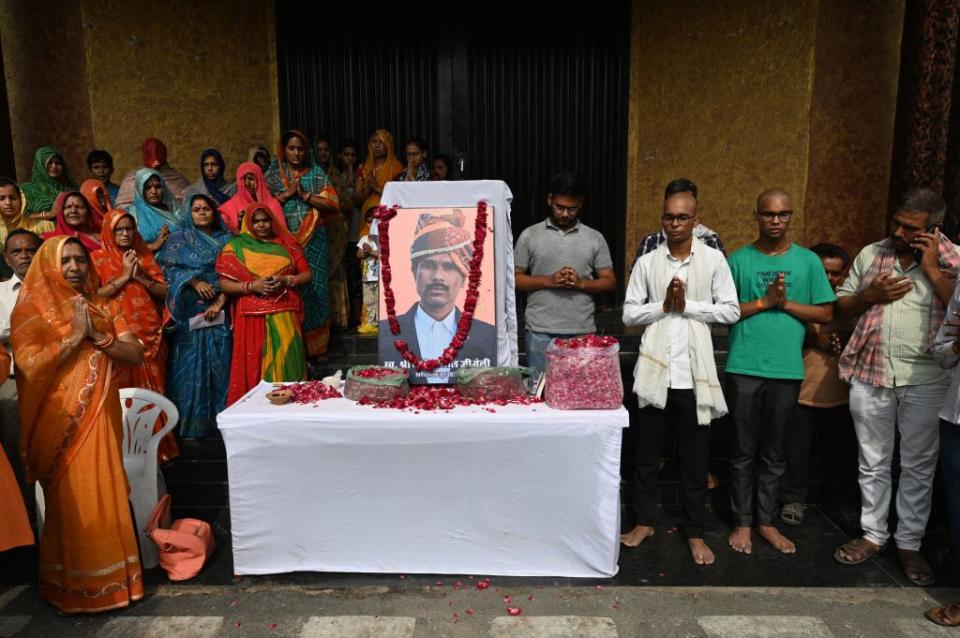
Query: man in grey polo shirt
(561, 263)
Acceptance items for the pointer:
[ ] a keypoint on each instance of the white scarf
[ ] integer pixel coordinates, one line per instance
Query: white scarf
(650, 375)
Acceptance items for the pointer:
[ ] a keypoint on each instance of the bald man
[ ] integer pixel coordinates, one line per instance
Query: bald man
(781, 287)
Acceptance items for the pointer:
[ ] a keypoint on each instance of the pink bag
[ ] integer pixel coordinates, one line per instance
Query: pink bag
(185, 546)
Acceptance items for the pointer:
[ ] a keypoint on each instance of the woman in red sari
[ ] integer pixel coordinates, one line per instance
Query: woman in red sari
(251, 188)
(261, 269)
(66, 343)
(73, 219)
(131, 276)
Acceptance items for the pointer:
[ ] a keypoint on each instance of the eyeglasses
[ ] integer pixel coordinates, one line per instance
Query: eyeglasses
(683, 220)
(782, 215)
(121, 230)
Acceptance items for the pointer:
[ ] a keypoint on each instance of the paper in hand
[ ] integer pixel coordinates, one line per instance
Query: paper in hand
(198, 322)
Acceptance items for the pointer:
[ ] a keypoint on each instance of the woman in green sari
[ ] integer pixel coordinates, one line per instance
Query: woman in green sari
(48, 178)
(309, 202)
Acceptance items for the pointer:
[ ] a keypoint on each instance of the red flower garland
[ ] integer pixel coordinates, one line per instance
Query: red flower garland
(385, 214)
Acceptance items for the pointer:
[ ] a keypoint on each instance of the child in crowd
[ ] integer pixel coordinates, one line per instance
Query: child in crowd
(368, 250)
(823, 412)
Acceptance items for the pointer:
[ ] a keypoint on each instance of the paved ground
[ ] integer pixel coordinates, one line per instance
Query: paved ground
(658, 593)
(273, 609)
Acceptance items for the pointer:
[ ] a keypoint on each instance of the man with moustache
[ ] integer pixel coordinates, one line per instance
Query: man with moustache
(440, 260)
(782, 287)
(899, 288)
(676, 291)
(561, 264)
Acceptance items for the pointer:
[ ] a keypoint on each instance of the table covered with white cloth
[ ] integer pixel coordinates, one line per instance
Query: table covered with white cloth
(520, 490)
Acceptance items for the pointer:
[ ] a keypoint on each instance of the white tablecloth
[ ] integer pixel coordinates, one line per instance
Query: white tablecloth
(468, 193)
(522, 491)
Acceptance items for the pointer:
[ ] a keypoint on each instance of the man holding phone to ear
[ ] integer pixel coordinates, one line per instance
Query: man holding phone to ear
(899, 288)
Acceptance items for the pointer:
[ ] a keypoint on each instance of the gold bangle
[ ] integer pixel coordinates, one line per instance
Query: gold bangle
(760, 304)
(105, 342)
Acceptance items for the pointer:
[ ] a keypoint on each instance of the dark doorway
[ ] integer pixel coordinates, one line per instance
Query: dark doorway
(7, 164)
(515, 96)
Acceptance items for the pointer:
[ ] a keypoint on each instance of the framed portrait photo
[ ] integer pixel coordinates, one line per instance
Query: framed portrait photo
(431, 250)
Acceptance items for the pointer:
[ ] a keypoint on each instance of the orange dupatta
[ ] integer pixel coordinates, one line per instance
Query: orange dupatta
(98, 199)
(386, 172)
(327, 216)
(14, 525)
(145, 316)
(70, 424)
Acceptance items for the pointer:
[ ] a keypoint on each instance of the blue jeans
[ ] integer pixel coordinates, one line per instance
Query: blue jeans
(950, 466)
(536, 346)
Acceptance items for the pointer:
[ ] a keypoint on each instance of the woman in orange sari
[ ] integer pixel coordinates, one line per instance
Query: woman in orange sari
(14, 524)
(99, 199)
(380, 167)
(132, 277)
(65, 343)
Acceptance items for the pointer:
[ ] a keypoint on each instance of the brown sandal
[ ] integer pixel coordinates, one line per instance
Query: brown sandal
(859, 550)
(915, 567)
(948, 616)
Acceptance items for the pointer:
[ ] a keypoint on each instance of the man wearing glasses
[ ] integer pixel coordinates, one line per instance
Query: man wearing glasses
(676, 291)
(782, 287)
(652, 241)
(561, 264)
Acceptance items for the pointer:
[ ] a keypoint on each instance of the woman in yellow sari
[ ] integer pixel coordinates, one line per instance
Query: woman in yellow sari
(65, 343)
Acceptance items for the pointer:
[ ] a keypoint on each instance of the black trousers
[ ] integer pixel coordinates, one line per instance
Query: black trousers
(836, 442)
(761, 410)
(693, 455)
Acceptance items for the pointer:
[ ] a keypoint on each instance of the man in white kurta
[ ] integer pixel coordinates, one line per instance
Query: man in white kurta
(676, 291)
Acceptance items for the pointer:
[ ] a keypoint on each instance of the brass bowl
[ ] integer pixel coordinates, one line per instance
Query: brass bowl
(280, 397)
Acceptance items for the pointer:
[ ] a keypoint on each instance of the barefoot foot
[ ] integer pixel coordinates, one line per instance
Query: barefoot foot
(636, 536)
(701, 552)
(780, 542)
(740, 540)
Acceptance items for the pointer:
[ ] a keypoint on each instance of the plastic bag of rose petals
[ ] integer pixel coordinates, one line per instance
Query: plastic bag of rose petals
(491, 384)
(375, 383)
(583, 373)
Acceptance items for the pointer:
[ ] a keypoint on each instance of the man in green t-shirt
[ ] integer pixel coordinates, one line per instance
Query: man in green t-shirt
(781, 287)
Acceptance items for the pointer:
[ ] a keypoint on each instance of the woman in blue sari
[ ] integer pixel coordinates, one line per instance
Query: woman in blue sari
(198, 370)
(309, 202)
(154, 208)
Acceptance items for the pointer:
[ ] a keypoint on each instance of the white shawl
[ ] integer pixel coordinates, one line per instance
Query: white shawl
(650, 375)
